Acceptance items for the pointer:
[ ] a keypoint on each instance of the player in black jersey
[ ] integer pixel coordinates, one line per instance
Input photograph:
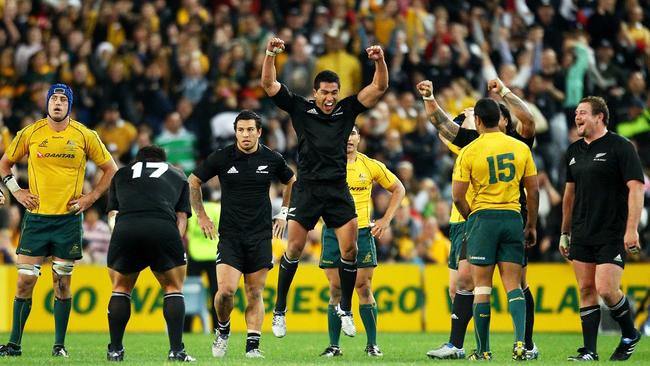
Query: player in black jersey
(323, 126)
(523, 131)
(152, 203)
(245, 170)
(601, 208)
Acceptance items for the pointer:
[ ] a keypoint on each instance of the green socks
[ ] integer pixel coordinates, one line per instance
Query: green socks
(61, 317)
(482, 326)
(333, 325)
(368, 314)
(22, 307)
(517, 309)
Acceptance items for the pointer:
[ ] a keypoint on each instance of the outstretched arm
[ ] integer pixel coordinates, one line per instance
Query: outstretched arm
(269, 82)
(369, 96)
(517, 106)
(446, 127)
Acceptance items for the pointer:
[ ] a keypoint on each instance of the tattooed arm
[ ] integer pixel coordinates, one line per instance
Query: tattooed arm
(517, 106)
(446, 127)
(196, 200)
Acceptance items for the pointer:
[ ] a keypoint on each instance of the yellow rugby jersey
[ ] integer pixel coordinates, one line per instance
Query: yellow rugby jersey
(455, 217)
(494, 164)
(360, 176)
(57, 161)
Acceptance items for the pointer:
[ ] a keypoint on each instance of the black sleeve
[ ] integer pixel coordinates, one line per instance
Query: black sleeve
(567, 166)
(209, 167)
(528, 141)
(183, 204)
(464, 137)
(112, 203)
(286, 100)
(629, 162)
(282, 172)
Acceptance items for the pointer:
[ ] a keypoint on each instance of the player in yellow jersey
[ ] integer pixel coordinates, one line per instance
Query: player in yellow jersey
(57, 148)
(495, 165)
(362, 173)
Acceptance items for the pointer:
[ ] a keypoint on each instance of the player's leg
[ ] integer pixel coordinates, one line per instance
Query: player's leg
(61, 278)
(297, 237)
(346, 235)
(589, 309)
(608, 285)
(531, 348)
(171, 281)
(119, 311)
(330, 259)
(482, 278)
(253, 286)
(333, 320)
(366, 262)
(511, 279)
(228, 281)
(29, 268)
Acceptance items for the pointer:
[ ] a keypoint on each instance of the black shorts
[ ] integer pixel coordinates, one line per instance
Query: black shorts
(599, 254)
(332, 201)
(138, 243)
(245, 255)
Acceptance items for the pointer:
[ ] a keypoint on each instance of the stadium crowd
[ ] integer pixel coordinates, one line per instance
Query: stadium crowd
(176, 73)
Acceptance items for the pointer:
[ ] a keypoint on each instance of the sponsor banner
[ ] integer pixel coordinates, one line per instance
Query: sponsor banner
(554, 290)
(410, 298)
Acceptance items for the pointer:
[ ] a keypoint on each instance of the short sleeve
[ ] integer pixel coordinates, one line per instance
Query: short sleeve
(381, 174)
(462, 168)
(530, 168)
(283, 171)
(629, 163)
(464, 137)
(112, 203)
(286, 100)
(96, 150)
(210, 167)
(183, 204)
(18, 147)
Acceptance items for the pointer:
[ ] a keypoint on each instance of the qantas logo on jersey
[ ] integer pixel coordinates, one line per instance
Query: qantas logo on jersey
(573, 161)
(262, 169)
(54, 155)
(232, 170)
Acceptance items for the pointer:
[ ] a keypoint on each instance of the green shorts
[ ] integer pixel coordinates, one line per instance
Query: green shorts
(330, 256)
(456, 235)
(51, 235)
(495, 236)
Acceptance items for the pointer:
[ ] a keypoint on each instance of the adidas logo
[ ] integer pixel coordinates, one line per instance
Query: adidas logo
(312, 111)
(618, 258)
(454, 316)
(43, 144)
(70, 142)
(232, 170)
(573, 161)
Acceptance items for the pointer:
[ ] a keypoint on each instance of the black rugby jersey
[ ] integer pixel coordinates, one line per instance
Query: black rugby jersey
(245, 182)
(322, 138)
(600, 171)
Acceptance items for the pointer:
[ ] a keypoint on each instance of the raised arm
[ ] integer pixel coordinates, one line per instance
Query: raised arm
(446, 127)
(269, 81)
(196, 200)
(517, 106)
(369, 96)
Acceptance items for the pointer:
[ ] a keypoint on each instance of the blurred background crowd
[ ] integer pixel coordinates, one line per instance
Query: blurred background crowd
(176, 73)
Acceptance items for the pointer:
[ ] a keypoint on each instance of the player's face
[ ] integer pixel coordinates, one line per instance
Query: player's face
(353, 141)
(57, 107)
(326, 97)
(247, 134)
(586, 122)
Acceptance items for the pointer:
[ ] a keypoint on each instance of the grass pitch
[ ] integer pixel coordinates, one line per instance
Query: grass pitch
(301, 349)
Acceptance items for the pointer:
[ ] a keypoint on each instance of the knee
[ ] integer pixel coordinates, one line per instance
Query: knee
(609, 294)
(335, 294)
(588, 292)
(464, 283)
(294, 248)
(364, 291)
(226, 294)
(349, 253)
(26, 283)
(253, 294)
